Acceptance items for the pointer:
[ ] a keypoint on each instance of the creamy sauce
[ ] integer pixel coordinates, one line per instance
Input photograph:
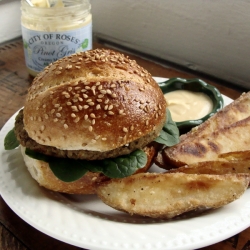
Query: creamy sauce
(186, 105)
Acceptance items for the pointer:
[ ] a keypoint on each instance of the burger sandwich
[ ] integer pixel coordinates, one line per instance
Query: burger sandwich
(87, 118)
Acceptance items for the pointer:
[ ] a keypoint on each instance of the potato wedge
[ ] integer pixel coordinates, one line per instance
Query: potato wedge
(228, 139)
(166, 195)
(235, 156)
(215, 167)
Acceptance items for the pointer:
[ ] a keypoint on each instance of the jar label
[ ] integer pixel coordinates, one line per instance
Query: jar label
(42, 48)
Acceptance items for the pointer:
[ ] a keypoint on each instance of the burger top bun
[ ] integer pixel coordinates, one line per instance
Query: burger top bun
(96, 100)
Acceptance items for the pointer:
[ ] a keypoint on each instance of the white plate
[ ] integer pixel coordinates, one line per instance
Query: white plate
(86, 222)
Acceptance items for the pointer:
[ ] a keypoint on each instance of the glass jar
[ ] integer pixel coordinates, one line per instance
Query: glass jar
(52, 32)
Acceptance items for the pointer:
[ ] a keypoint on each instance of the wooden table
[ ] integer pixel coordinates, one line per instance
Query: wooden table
(16, 234)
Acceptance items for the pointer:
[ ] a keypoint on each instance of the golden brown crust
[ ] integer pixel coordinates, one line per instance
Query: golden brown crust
(166, 195)
(96, 100)
(87, 184)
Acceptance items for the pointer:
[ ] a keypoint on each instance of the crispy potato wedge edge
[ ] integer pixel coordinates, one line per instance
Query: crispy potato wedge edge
(166, 195)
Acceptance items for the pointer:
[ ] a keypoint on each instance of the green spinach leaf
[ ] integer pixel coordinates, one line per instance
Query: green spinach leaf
(69, 170)
(169, 134)
(10, 140)
(124, 165)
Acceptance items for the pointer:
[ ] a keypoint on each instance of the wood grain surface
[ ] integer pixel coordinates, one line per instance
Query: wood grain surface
(16, 234)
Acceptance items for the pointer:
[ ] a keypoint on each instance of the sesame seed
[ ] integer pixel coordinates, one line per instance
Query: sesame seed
(69, 88)
(98, 106)
(73, 115)
(65, 126)
(111, 113)
(90, 128)
(69, 103)
(100, 96)
(58, 115)
(59, 109)
(93, 89)
(103, 91)
(86, 117)
(77, 119)
(80, 107)
(85, 96)
(93, 141)
(86, 106)
(125, 130)
(99, 100)
(55, 120)
(110, 107)
(74, 108)
(93, 122)
(89, 100)
(46, 116)
(68, 66)
(91, 103)
(42, 128)
(52, 111)
(104, 139)
(132, 128)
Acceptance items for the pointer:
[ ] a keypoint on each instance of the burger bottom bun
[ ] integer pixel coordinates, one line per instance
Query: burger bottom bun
(87, 184)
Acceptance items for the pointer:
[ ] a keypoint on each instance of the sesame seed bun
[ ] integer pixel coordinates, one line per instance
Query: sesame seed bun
(96, 100)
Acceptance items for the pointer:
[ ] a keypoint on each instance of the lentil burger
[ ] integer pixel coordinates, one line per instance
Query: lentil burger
(90, 106)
